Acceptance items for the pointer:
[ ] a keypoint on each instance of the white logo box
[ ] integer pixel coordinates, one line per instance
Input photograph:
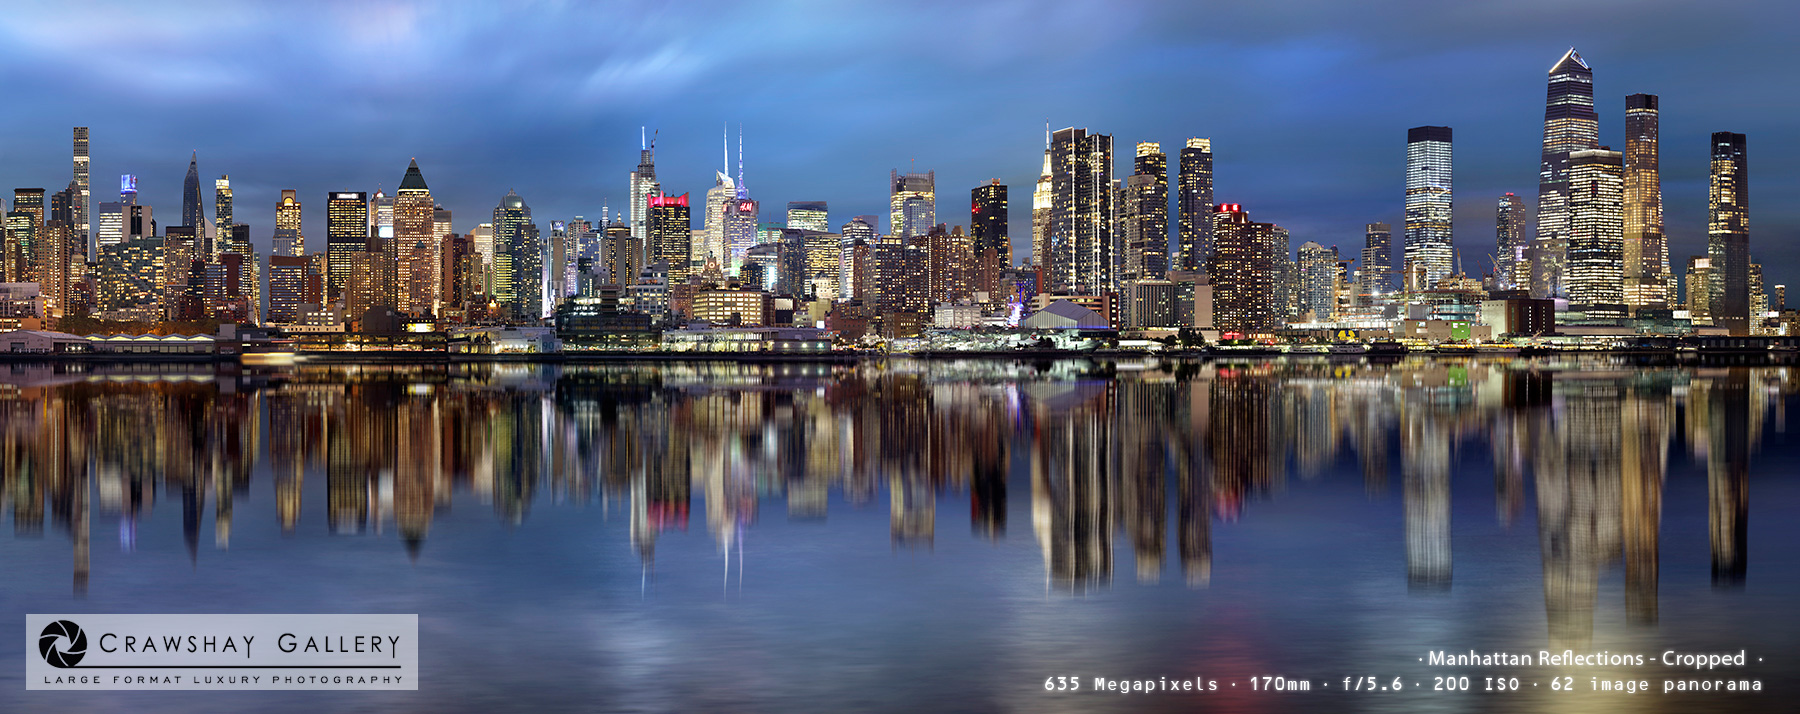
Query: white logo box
(91, 652)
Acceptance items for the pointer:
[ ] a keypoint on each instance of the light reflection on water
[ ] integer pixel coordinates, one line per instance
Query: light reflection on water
(694, 535)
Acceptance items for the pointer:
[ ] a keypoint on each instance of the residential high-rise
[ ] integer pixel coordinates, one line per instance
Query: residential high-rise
(1042, 207)
(1194, 203)
(1082, 254)
(1728, 232)
(288, 241)
(950, 265)
(1570, 124)
(222, 215)
(1376, 278)
(1647, 278)
(643, 186)
(1318, 272)
(193, 212)
(1595, 263)
(1428, 202)
(417, 245)
(60, 262)
(82, 197)
(1145, 214)
(808, 216)
(346, 232)
(670, 235)
(988, 237)
(1512, 251)
(1243, 272)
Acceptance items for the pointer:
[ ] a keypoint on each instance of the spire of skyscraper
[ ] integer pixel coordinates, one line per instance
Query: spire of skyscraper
(742, 192)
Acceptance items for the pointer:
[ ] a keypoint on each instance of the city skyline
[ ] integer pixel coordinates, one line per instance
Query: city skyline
(1329, 206)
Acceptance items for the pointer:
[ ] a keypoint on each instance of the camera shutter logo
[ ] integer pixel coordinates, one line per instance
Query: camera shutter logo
(65, 630)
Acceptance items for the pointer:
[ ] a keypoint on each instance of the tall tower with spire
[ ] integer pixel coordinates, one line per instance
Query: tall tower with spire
(193, 212)
(643, 186)
(1570, 125)
(1041, 200)
(710, 244)
(740, 218)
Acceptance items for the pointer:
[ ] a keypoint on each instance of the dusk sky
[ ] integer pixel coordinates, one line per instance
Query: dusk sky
(1307, 103)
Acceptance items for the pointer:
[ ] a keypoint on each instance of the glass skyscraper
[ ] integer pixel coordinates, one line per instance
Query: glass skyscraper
(346, 232)
(1428, 202)
(1728, 233)
(1570, 124)
(1512, 250)
(1595, 263)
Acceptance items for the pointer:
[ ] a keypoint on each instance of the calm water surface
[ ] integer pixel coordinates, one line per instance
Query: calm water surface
(922, 536)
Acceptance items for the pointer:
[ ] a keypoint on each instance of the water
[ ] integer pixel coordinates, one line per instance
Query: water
(924, 536)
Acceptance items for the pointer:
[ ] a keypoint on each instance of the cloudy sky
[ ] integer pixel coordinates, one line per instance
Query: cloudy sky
(1307, 103)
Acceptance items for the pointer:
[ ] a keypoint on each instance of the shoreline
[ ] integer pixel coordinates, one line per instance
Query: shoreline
(1762, 356)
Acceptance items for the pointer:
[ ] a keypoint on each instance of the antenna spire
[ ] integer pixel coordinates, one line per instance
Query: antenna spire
(643, 142)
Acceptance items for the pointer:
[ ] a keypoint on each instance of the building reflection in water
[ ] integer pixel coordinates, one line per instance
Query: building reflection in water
(1103, 449)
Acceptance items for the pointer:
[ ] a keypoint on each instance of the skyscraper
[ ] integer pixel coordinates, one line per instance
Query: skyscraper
(710, 244)
(1647, 277)
(289, 241)
(193, 212)
(988, 237)
(670, 236)
(1570, 124)
(346, 232)
(82, 198)
(417, 244)
(1595, 263)
(808, 216)
(912, 205)
(1194, 202)
(1728, 233)
(1082, 254)
(1146, 215)
(25, 235)
(1512, 252)
(643, 186)
(114, 218)
(1428, 202)
(222, 216)
(912, 213)
(1042, 204)
(1377, 275)
(518, 258)
(1317, 284)
(740, 230)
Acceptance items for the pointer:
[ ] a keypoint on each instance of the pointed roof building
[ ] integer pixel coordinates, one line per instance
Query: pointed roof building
(413, 179)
